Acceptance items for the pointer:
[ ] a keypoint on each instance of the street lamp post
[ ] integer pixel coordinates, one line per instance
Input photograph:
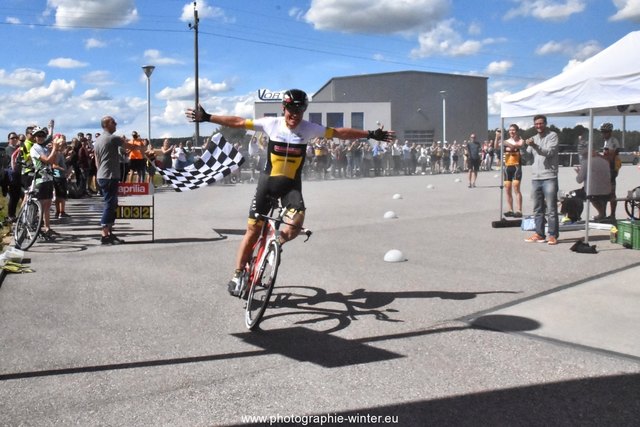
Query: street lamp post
(148, 69)
(444, 115)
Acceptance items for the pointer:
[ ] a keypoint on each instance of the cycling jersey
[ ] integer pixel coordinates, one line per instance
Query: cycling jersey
(512, 158)
(27, 163)
(287, 148)
(286, 152)
(37, 151)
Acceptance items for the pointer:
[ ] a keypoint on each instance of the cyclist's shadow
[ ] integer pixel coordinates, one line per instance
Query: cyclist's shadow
(318, 305)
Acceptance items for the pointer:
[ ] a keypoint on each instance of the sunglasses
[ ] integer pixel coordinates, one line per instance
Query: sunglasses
(295, 109)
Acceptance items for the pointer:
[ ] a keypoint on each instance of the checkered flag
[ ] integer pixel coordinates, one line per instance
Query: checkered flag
(218, 160)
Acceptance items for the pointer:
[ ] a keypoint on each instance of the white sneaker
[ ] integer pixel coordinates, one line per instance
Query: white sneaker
(234, 285)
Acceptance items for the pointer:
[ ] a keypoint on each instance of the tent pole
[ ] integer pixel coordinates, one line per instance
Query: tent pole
(588, 183)
(502, 139)
(624, 127)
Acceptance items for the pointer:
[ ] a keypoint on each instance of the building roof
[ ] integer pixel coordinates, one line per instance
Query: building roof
(394, 74)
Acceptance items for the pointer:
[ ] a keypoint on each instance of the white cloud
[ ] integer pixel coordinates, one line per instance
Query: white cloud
(174, 109)
(474, 29)
(571, 64)
(13, 20)
(627, 10)
(495, 100)
(58, 91)
(376, 16)
(93, 43)
(91, 13)
(546, 10)
(296, 13)
(98, 78)
(445, 40)
(552, 47)
(587, 50)
(204, 11)
(22, 77)
(95, 95)
(187, 90)
(154, 56)
(72, 113)
(498, 67)
(66, 63)
(579, 52)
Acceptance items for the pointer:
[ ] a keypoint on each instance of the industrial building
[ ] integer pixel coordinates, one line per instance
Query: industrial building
(419, 106)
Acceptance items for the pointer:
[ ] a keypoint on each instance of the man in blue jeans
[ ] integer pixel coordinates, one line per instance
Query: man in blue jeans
(108, 176)
(544, 181)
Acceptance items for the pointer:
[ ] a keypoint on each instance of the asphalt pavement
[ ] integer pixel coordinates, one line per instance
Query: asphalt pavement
(475, 327)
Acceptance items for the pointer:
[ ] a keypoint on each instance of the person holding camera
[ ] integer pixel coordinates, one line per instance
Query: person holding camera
(512, 174)
(43, 159)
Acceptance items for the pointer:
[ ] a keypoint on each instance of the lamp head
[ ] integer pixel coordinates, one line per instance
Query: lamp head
(148, 69)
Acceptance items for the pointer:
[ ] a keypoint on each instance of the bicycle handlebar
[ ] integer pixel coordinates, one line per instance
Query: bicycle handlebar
(303, 230)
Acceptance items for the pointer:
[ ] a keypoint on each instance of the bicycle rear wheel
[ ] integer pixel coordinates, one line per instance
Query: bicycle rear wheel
(27, 226)
(261, 287)
(633, 206)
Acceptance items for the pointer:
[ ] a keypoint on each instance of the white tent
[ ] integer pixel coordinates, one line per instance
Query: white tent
(606, 84)
(600, 84)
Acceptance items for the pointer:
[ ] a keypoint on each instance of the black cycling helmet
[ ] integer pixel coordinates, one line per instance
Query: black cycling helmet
(295, 100)
(39, 131)
(606, 127)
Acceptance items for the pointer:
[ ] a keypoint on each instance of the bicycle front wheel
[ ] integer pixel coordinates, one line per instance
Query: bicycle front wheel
(27, 226)
(262, 286)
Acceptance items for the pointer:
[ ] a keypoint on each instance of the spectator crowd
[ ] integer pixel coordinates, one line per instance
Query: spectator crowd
(338, 159)
(73, 166)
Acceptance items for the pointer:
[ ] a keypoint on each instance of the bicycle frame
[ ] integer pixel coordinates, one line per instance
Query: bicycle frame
(27, 226)
(259, 278)
(269, 232)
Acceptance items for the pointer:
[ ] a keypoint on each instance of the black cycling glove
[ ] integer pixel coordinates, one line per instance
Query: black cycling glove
(204, 116)
(379, 134)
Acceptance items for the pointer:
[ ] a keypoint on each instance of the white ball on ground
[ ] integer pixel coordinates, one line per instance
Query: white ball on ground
(457, 180)
(430, 187)
(394, 255)
(397, 196)
(390, 215)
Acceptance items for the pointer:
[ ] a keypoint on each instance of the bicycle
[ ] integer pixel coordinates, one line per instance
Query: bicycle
(29, 220)
(259, 278)
(632, 204)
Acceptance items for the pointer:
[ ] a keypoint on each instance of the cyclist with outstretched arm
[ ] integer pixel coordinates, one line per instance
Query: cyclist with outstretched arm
(282, 174)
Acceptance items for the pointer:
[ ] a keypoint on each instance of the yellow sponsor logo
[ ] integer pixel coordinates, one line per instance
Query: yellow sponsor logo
(285, 166)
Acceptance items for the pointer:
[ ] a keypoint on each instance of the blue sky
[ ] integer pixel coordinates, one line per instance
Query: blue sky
(77, 60)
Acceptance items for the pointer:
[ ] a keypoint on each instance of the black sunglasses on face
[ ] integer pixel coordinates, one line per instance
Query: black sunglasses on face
(295, 109)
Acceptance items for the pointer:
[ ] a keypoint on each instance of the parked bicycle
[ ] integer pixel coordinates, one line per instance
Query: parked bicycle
(632, 204)
(28, 223)
(260, 274)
